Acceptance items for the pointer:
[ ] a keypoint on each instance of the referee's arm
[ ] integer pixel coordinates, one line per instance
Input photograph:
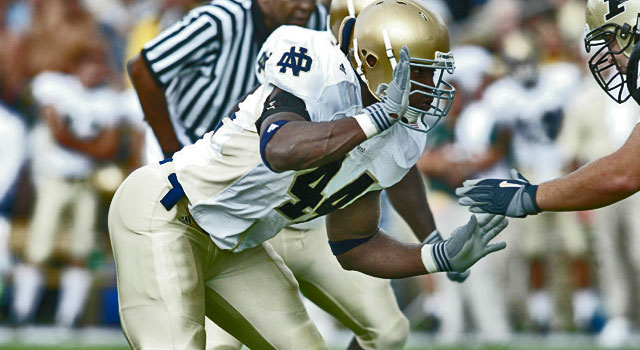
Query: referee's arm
(154, 105)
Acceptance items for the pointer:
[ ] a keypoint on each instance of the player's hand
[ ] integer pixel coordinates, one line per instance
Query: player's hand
(515, 197)
(435, 237)
(468, 244)
(395, 102)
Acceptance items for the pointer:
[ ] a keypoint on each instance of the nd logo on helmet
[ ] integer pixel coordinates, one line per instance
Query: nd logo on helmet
(615, 8)
(297, 61)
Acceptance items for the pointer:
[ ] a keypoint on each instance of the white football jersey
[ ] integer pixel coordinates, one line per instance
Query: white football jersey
(86, 111)
(242, 203)
(536, 116)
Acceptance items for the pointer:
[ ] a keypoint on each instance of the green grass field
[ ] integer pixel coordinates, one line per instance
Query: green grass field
(452, 347)
(43, 338)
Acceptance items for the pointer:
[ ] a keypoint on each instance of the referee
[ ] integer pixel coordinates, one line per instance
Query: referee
(194, 71)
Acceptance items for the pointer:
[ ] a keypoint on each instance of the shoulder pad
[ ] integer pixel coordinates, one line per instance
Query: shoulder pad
(295, 59)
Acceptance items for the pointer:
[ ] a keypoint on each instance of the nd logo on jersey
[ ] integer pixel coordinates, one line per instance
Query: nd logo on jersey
(262, 61)
(297, 61)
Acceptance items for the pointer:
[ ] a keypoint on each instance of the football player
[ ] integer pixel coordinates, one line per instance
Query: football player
(321, 135)
(364, 304)
(613, 38)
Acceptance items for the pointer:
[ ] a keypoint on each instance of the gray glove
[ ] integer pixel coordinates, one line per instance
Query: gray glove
(435, 237)
(395, 102)
(467, 244)
(515, 197)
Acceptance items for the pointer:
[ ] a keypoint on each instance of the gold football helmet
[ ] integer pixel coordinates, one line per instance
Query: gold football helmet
(341, 9)
(609, 21)
(380, 31)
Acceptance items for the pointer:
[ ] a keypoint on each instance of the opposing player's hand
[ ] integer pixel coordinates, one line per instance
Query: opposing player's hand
(515, 197)
(453, 276)
(395, 102)
(467, 244)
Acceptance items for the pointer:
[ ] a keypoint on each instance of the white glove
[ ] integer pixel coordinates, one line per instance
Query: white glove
(382, 115)
(467, 244)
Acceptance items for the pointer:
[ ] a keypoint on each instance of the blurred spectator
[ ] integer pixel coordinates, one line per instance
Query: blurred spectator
(13, 145)
(531, 99)
(76, 131)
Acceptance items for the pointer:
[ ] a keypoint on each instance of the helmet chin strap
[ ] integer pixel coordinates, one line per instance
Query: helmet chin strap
(389, 49)
(358, 62)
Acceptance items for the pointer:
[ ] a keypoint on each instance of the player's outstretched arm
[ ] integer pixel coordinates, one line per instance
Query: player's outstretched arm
(598, 184)
(409, 198)
(360, 245)
(154, 105)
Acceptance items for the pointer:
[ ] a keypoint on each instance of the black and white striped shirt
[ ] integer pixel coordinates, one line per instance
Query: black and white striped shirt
(206, 62)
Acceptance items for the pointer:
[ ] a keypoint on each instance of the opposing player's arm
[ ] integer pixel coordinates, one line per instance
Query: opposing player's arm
(598, 184)
(293, 142)
(154, 104)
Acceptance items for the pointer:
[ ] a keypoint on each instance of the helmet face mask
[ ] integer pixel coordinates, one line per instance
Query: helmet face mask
(611, 31)
(441, 92)
(604, 64)
(380, 31)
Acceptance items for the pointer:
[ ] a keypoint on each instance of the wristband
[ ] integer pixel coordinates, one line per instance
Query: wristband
(366, 124)
(434, 257)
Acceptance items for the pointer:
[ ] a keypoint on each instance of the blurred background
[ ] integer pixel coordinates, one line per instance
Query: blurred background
(525, 99)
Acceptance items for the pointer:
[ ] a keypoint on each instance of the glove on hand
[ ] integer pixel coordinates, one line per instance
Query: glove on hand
(459, 277)
(515, 197)
(382, 115)
(468, 244)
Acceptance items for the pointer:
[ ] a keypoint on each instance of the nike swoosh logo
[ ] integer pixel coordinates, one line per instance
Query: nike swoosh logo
(508, 184)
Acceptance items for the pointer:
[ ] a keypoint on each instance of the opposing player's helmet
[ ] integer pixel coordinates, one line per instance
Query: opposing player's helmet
(378, 34)
(609, 20)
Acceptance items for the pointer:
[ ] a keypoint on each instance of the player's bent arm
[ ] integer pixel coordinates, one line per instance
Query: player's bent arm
(409, 199)
(303, 145)
(597, 184)
(381, 255)
(290, 141)
(154, 104)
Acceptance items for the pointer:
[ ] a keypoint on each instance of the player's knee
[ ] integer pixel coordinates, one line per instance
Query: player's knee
(395, 336)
